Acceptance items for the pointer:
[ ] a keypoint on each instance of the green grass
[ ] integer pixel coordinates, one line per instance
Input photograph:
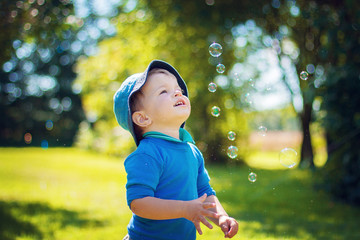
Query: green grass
(66, 193)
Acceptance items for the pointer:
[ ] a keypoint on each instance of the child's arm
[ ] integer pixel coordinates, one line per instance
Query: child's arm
(227, 224)
(161, 209)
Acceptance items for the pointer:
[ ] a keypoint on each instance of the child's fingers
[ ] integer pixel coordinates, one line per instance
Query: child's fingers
(203, 221)
(207, 205)
(206, 222)
(210, 214)
(233, 228)
(197, 226)
(224, 228)
(203, 197)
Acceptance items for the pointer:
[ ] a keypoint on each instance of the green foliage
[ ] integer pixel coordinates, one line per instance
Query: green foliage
(284, 119)
(341, 175)
(67, 193)
(340, 102)
(36, 73)
(157, 31)
(31, 21)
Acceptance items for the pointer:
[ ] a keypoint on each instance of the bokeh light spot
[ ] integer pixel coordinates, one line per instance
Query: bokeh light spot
(28, 138)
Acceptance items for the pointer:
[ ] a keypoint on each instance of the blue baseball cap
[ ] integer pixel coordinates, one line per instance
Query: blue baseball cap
(133, 84)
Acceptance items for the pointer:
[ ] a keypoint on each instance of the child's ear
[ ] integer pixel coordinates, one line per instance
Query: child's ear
(141, 119)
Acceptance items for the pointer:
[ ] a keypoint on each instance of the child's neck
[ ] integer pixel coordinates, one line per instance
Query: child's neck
(172, 132)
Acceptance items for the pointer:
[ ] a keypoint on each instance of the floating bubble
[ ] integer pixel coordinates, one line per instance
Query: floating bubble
(236, 77)
(215, 49)
(251, 82)
(304, 75)
(231, 135)
(49, 125)
(66, 102)
(44, 144)
(212, 87)
(232, 152)
(28, 138)
(210, 2)
(247, 98)
(220, 68)
(288, 157)
(215, 111)
(252, 177)
(310, 68)
(262, 131)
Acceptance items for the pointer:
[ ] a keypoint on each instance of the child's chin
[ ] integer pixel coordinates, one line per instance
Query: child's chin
(183, 118)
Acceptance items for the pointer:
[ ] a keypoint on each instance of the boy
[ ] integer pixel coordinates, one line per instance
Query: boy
(167, 187)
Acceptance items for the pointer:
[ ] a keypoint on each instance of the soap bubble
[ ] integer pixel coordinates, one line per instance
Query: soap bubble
(236, 77)
(231, 135)
(215, 49)
(215, 111)
(247, 98)
(49, 125)
(232, 152)
(288, 157)
(44, 144)
(220, 68)
(251, 82)
(252, 177)
(268, 87)
(304, 75)
(310, 68)
(262, 131)
(212, 87)
(28, 138)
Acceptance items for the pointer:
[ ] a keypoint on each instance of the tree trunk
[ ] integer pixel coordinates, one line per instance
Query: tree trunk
(307, 155)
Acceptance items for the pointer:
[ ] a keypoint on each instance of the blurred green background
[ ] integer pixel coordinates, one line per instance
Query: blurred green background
(62, 152)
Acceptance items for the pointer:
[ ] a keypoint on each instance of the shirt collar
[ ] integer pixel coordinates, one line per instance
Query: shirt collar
(183, 134)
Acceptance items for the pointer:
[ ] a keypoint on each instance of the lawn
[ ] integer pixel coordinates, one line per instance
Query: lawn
(68, 194)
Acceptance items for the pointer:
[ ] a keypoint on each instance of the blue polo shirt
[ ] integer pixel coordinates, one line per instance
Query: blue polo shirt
(166, 168)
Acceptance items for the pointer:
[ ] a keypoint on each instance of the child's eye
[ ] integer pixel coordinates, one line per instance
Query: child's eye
(163, 91)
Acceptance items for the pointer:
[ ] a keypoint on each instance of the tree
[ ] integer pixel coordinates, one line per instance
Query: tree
(327, 35)
(341, 175)
(161, 31)
(41, 41)
(318, 37)
(38, 105)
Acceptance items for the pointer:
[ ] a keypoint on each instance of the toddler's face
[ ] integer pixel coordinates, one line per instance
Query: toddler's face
(163, 100)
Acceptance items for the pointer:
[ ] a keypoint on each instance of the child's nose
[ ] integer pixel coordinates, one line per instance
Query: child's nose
(178, 93)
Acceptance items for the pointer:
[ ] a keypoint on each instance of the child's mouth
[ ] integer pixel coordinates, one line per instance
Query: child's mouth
(179, 103)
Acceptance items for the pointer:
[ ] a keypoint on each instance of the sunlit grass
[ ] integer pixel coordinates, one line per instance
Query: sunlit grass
(282, 204)
(270, 159)
(62, 194)
(66, 193)
(264, 160)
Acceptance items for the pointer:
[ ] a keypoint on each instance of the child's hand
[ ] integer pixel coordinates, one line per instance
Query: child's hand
(196, 210)
(228, 225)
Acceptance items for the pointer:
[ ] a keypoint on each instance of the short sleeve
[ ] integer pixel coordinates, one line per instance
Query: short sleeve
(203, 181)
(143, 174)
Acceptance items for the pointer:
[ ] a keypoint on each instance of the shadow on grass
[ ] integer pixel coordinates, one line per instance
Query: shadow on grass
(30, 219)
(284, 204)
